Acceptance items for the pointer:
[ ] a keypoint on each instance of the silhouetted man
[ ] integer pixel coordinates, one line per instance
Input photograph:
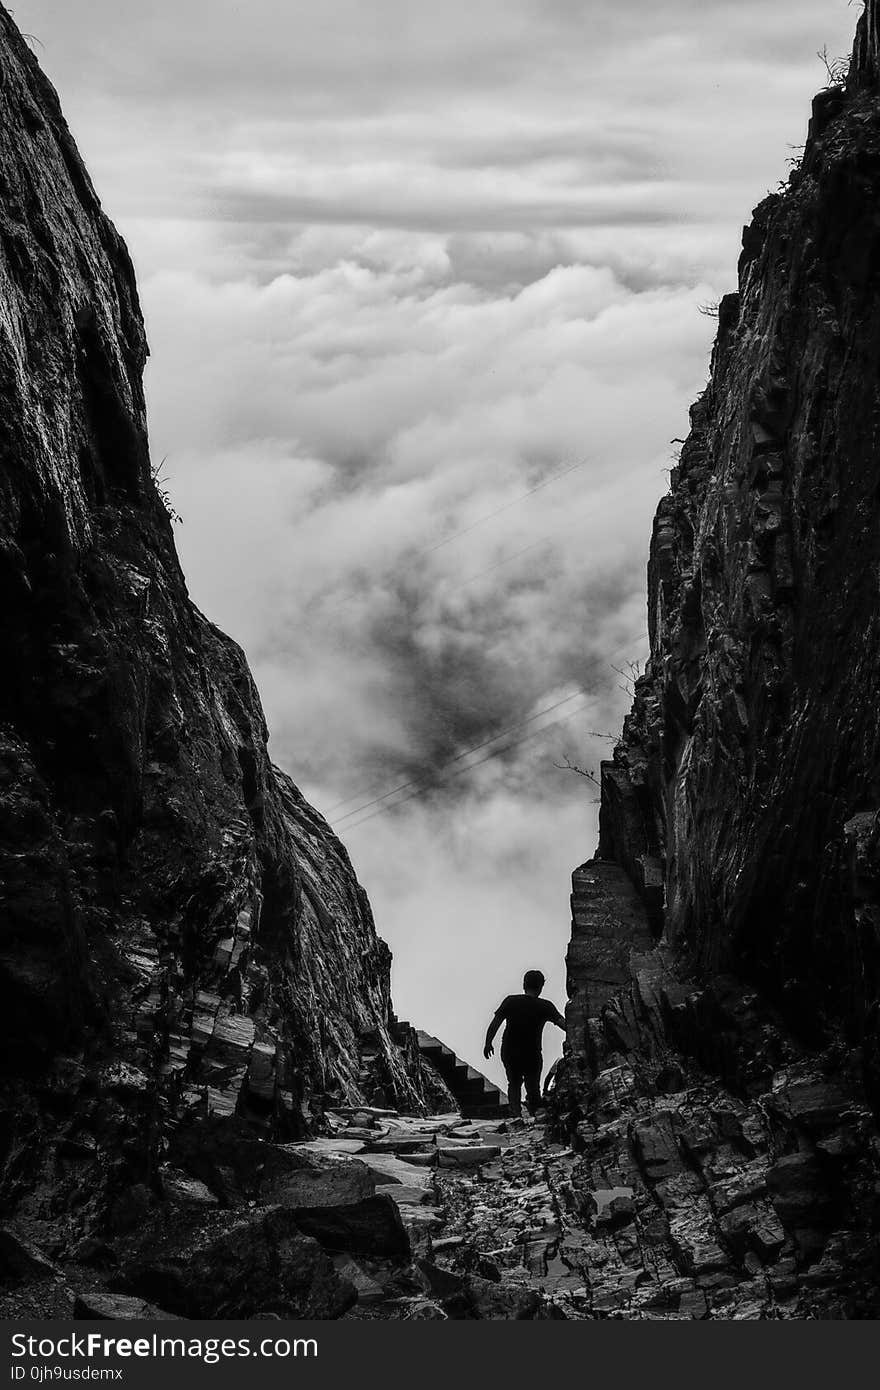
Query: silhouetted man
(524, 1015)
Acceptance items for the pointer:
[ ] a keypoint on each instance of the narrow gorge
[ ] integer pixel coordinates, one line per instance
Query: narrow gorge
(209, 1107)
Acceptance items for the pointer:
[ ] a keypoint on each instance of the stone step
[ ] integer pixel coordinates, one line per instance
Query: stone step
(475, 1093)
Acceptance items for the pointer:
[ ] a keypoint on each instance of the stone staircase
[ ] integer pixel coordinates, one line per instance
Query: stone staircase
(478, 1098)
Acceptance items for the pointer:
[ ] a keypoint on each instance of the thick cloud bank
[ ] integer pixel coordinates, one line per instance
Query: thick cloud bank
(422, 288)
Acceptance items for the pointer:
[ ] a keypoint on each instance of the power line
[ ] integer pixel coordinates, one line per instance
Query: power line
(496, 752)
(477, 748)
(458, 757)
(515, 555)
(507, 505)
(508, 559)
(343, 600)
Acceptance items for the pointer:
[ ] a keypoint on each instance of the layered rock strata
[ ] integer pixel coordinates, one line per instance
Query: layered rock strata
(181, 934)
(723, 1168)
(724, 1039)
(744, 797)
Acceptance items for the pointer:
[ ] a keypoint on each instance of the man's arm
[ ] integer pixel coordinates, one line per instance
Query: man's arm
(558, 1019)
(496, 1023)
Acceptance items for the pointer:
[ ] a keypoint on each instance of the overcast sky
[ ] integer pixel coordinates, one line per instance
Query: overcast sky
(422, 286)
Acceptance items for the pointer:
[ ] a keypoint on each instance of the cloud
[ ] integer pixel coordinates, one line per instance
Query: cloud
(404, 267)
(407, 589)
(412, 115)
(459, 482)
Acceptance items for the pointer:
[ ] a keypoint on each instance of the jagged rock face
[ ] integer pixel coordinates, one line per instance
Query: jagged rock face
(731, 1171)
(179, 930)
(723, 1030)
(747, 782)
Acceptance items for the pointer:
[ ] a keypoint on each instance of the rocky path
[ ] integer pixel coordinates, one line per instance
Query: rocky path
(654, 1191)
(478, 1201)
(386, 1216)
(689, 1204)
(506, 1222)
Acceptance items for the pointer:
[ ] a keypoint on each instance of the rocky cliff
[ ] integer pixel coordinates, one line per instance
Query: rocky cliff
(181, 935)
(727, 936)
(744, 797)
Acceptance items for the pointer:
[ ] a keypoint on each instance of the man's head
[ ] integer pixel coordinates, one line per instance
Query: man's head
(533, 982)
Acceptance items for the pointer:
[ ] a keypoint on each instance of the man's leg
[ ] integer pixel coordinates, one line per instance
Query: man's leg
(532, 1077)
(514, 1088)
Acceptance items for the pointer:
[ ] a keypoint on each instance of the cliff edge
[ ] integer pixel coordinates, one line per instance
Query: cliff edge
(727, 934)
(181, 934)
(745, 792)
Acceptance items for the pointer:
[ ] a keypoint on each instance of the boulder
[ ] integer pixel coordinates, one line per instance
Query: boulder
(798, 1189)
(657, 1148)
(118, 1306)
(485, 1300)
(236, 1165)
(182, 1190)
(620, 1211)
(388, 1168)
(436, 1281)
(466, 1156)
(406, 1196)
(371, 1226)
(324, 1183)
(813, 1102)
(754, 1229)
(328, 1145)
(403, 1144)
(447, 1243)
(241, 1269)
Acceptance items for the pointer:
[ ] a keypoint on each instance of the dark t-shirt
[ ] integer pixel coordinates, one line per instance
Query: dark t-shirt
(525, 1016)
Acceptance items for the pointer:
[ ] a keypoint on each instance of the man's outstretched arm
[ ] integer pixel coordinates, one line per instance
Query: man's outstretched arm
(496, 1023)
(559, 1020)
